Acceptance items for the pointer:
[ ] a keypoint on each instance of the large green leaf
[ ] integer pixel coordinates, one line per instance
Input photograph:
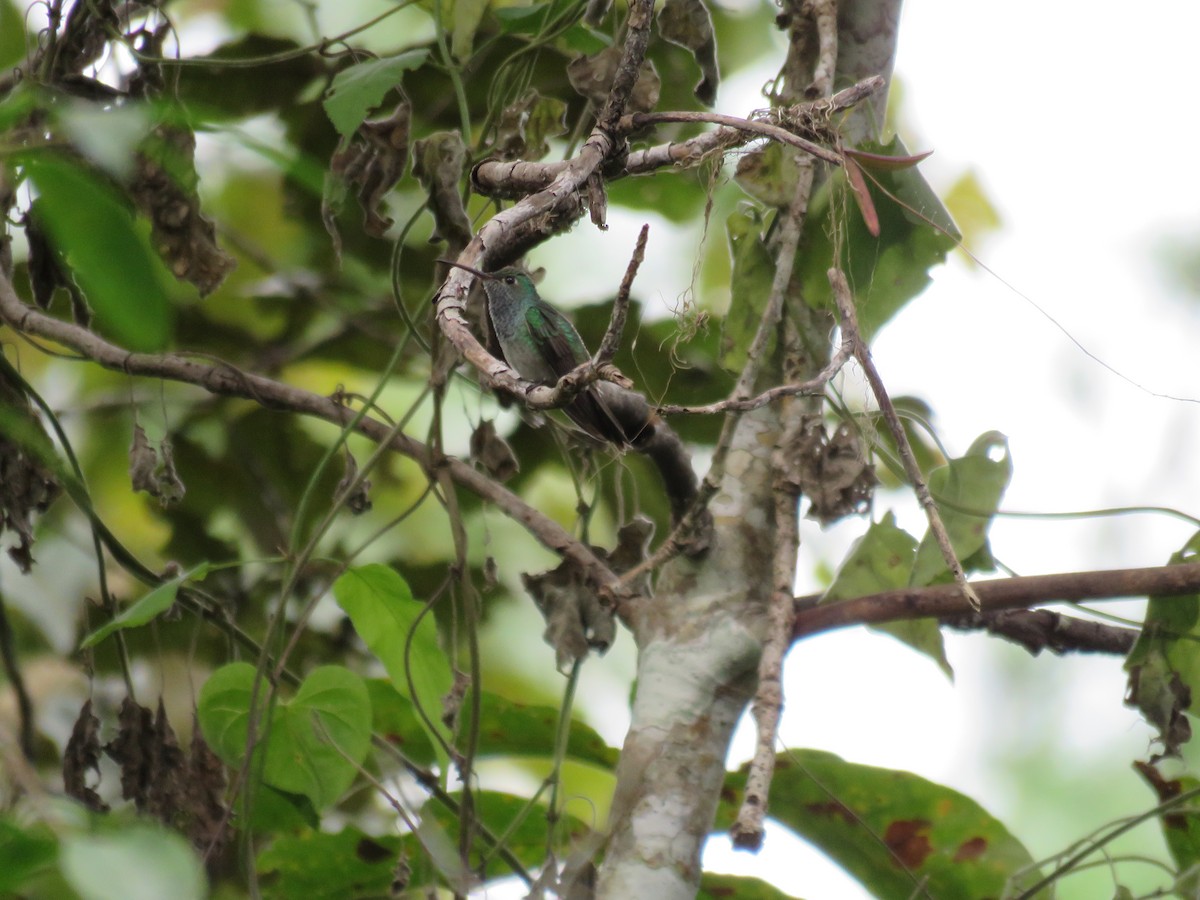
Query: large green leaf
(725, 887)
(315, 741)
(881, 560)
(359, 89)
(967, 491)
(320, 866)
(138, 862)
(515, 729)
(25, 850)
(899, 834)
(108, 255)
(402, 636)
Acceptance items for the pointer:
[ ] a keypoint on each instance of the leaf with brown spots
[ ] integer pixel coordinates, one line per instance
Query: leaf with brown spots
(894, 831)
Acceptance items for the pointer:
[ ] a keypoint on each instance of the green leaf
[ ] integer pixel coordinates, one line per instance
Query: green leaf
(1181, 826)
(403, 638)
(359, 89)
(1164, 663)
(139, 862)
(393, 717)
(723, 887)
(507, 728)
(885, 272)
(750, 285)
(315, 741)
(24, 852)
(320, 866)
(500, 812)
(881, 560)
(154, 604)
(967, 491)
(110, 258)
(897, 833)
(320, 736)
(13, 36)
(467, 15)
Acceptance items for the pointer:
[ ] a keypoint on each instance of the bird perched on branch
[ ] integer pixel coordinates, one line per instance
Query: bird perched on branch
(542, 345)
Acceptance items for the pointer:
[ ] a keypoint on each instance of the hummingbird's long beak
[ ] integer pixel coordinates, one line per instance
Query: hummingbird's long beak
(486, 276)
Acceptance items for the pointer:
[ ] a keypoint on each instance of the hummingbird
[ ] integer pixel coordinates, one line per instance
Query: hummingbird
(542, 345)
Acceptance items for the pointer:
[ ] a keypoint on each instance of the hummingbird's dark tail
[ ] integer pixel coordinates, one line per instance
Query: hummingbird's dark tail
(626, 419)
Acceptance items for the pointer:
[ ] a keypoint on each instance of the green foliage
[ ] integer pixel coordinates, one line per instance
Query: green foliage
(885, 272)
(894, 831)
(359, 89)
(136, 863)
(150, 607)
(967, 491)
(112, 261)
(314, 742)
(324, 866)
(403, 636)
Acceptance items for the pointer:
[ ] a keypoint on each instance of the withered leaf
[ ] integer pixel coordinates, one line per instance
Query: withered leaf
(83, 753)
(452, 702)
(525, 125)
(688, 24)
(592, 76)
(27, 486)
(359, 501)
(164, 188)
(769, 175)
(169, 488)
(438, 163)
(832, 471)
(492, 452)
(142, 462)
(575, 619)
(372, 162)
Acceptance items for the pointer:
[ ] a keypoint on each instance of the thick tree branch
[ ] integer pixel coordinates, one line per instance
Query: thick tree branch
(227, 380)
(517, 178)
(943, 600)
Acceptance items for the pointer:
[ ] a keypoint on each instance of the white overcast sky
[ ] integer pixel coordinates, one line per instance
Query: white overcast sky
(1080, 120)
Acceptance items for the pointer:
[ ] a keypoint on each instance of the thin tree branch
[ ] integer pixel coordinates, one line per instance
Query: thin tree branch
(225, 379)
(841, 295)
(942, 600)
(1044, 629)
(611, 341)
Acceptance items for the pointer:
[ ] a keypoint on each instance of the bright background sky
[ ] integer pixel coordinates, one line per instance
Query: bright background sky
(1076, 117)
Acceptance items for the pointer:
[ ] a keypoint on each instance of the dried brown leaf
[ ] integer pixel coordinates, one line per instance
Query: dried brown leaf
(688, 24)
(83, 753)
(492, 452)
(438, 162)
(592, 76)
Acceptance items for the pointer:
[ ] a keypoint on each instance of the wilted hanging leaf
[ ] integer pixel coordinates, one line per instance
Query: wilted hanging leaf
(373, 160)
(525, 125)
(438, 163)
(492, 452)
(452, 702)
(688, 24)
(170, 489)
(576, 621)
(164, 188)
(81, 754)
(142, 462)
(27, 486)
(359, 501)
(592, 76)
(834, 473)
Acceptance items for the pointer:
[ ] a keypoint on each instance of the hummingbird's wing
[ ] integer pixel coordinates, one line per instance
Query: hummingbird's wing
(562, 348)
(556, 338)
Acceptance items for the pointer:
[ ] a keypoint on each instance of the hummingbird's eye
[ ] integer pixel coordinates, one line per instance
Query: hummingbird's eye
(510, 279)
